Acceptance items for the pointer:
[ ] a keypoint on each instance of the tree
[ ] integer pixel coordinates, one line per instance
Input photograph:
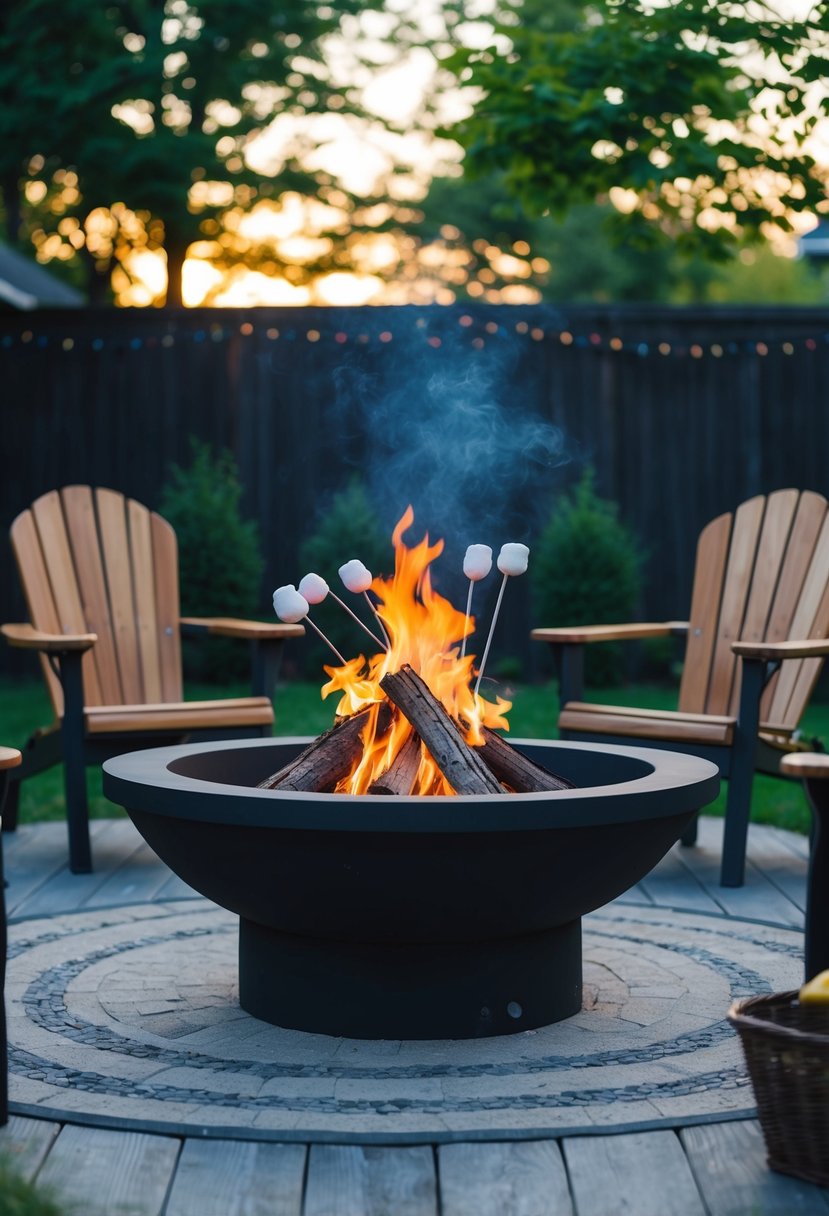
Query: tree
(153, 104)
(693, 118)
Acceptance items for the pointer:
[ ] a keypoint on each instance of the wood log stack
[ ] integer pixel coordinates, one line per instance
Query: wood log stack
(493, 768)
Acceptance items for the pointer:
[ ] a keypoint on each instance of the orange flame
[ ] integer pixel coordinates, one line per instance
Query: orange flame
(425, 631)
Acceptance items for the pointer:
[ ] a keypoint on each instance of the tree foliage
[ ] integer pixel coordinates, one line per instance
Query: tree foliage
(694, 118)
(146, 103)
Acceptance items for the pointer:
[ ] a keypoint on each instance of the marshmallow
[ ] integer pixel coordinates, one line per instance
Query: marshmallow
(314, 588)
(355, 576)
(477, 562)
(513, 558)
(289, 605)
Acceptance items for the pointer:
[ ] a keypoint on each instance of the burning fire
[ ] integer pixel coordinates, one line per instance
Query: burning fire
(425, 631)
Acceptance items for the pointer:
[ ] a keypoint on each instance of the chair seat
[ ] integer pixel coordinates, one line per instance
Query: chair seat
(584, 716)
(178, 716)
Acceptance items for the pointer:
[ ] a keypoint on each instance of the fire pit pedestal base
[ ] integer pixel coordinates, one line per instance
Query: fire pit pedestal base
(429, 991)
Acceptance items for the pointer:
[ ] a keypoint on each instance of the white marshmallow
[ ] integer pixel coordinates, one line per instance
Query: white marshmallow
(355, 576)
(477, 562)
(314, 588)
(513, 558)
(289, 605)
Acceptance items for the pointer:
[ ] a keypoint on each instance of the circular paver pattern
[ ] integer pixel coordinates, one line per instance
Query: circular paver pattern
(131, 1016)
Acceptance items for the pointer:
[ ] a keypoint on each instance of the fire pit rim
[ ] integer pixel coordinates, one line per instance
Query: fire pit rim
(144, 780)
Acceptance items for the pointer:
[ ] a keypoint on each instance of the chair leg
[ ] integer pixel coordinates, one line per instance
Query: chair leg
(689, 836)
(11, 806)
(741, 775)
(74, 767)
(735, 832)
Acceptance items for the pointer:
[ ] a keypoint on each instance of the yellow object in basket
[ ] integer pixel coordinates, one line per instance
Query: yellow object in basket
(816, 992)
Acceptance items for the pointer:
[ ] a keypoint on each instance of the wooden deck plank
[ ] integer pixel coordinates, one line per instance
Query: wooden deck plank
(175, 888)
(24, 1143)
(110, 1173)
(759, 899)
(671, 884)
(729, 1162)
(238, 1178)
(137, 880)
(38, 860)
(783, 869)
(634, 895)
(350, 1180)
(641, 1173)
(68, 892)
(519, 1178)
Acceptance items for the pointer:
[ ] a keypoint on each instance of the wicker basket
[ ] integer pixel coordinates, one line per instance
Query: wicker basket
(786, 1046)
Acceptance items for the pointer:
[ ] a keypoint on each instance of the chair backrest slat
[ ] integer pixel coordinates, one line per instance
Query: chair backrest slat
(810, 619)
(81, 525)
(800, 554)
(112, 526)
(709, 573)
(165, 578)
(748, 520)
(60, 565)
(771, 549)
(143, 579)
(37, 590)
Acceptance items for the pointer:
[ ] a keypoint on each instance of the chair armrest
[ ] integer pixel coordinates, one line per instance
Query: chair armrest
(229, 627)
(26, 637)
(10, 757)
(609, 633)
(811, 648)
(806, 764)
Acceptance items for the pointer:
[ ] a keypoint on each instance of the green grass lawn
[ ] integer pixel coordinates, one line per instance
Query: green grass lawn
(24, 706)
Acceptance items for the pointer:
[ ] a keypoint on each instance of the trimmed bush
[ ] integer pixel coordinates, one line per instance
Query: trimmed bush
(587, 571)
(219, 556)
(19, 1197)
(349, 528)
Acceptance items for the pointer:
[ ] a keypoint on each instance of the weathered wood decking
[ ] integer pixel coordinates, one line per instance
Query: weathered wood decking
(715, 1169)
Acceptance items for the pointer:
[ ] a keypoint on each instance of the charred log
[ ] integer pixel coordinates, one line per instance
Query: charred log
(399, 777)
(329, 758)
(514, 769)
(460, 764)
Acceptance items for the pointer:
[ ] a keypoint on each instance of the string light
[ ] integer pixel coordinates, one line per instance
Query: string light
(475, 334)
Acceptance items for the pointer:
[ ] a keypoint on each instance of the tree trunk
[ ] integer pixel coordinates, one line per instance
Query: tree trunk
(10, 187)
(176, 249)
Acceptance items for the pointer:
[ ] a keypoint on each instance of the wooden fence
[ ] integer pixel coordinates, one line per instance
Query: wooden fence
(479, 415)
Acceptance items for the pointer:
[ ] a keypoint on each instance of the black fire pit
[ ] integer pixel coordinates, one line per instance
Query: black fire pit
(409, 918)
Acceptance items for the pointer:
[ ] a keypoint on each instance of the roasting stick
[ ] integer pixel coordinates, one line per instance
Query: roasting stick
(477, 564)
(358, 578)
(315, 589)
(512, 561)
(292, 608)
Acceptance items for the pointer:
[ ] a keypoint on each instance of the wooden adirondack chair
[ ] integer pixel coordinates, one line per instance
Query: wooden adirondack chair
(755, 646)
(100, 576)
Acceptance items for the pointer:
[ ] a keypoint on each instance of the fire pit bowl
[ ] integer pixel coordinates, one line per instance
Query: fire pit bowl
(409, 917)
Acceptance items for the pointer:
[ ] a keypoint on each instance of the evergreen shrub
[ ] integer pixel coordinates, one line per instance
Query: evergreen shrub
(587, 571)
(219, 555)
